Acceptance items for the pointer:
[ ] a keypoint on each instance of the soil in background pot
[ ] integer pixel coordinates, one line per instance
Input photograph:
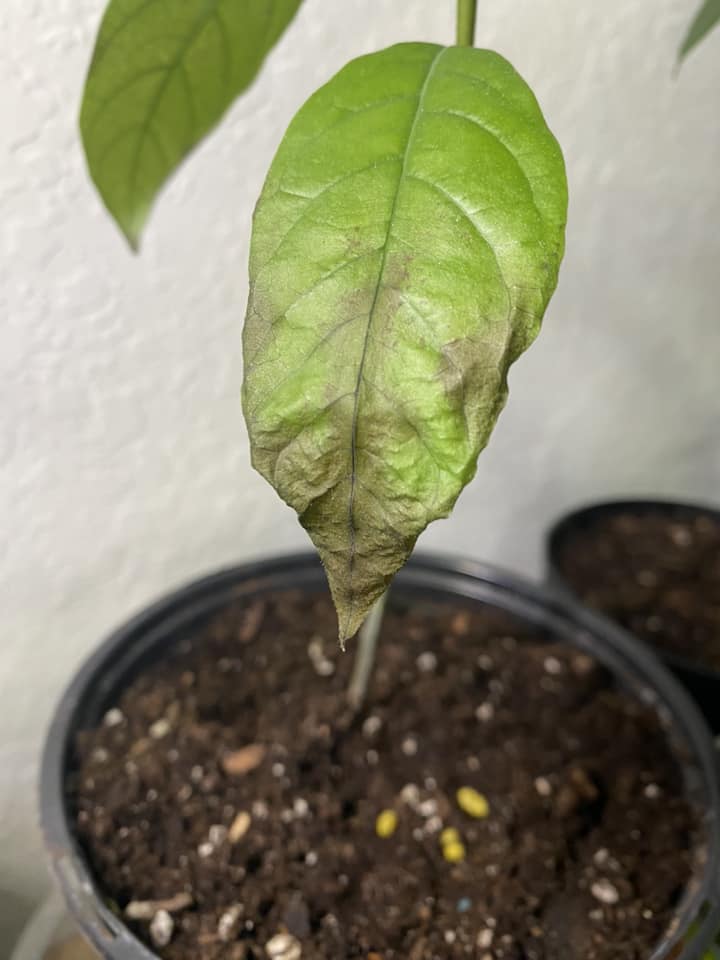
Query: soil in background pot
(656, 574)
(499, 799)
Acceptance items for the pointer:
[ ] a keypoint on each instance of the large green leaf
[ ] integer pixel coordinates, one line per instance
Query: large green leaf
(162, 74)
(706, 18)
(405, 246)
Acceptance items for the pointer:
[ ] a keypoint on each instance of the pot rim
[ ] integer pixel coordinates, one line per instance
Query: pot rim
(462, 579)
(587, 513)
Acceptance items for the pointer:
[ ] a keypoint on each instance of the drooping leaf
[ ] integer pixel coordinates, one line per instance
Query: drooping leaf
(706, 18)
(162, 74)
(405, 246)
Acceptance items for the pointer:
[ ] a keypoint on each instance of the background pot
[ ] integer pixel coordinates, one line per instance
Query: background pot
(149, 636)
(702, 682)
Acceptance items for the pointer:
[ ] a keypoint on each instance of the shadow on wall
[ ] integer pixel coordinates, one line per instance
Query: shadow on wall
(15, 911)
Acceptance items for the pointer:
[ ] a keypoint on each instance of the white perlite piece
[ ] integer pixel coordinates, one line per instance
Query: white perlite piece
(160, 729)
(217, 834)
(485, 712)
(681, 536)
(605, 892)
(553, 666)
(371, 726)
(543, 786)
(409, 746)
(229, 921)
(283, 946)
(410, 794)
(322, 666)
(426, 662)
(260, 810)
(485, 938)
(161, 928)
(113, 718)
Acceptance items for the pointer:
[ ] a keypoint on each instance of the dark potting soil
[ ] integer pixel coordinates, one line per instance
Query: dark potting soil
(657, 575)
(232, 784)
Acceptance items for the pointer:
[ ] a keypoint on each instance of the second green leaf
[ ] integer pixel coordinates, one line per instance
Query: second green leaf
(162, 74)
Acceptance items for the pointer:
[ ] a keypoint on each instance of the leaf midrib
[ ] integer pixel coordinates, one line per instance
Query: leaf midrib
(176, 64)
(371, 314)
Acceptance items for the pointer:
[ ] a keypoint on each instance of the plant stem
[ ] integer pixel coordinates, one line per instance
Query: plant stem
(365, 656)
(466, 10)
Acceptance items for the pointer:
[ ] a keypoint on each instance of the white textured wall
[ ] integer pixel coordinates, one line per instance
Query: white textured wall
(124, 458)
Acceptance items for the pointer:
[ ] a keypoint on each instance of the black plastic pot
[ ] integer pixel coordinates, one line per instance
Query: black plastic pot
(702, 682)
(154, 632)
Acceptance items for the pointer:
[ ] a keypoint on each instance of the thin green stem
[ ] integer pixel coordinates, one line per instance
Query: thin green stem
(365, 656)
(466, 11)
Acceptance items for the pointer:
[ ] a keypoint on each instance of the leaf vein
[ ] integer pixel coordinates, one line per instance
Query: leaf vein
(119, 137)
(326, 276)
(353, 436)
(282, 452)
(446, 356)
(469, 118)
(127, 84)
(104, 43)
(313, 198)
(467, 215)
(176, 63)
(227, 57)
(303, 363)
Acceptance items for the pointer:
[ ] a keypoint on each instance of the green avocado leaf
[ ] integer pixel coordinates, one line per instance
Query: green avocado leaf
(405, 245)
(707, 17)
(162, 74)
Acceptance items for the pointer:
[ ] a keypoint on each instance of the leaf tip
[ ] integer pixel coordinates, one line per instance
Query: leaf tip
(345, 631)
(132, 238)
(351, 618)
(346, 625)
(131, 223)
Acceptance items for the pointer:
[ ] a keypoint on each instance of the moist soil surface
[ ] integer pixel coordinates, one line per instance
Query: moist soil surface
(229, 801)
(657, 574)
